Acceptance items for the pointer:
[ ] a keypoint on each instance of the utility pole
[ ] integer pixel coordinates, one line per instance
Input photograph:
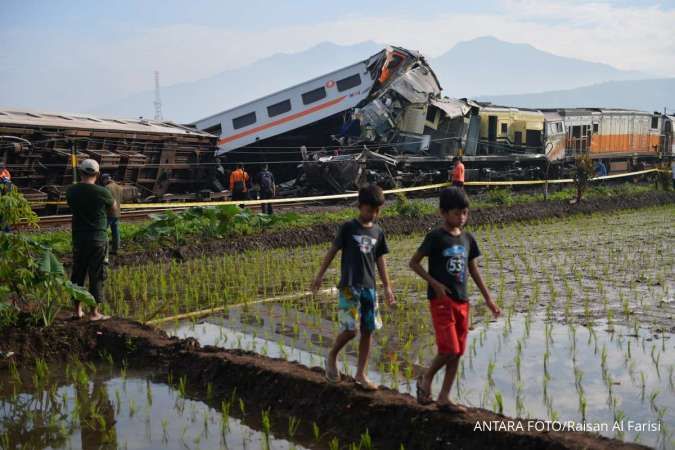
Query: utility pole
(158, 101)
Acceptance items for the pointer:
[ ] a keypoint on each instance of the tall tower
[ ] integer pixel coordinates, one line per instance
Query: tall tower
(158, 101)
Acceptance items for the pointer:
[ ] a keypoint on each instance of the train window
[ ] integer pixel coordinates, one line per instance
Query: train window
(505, 128)
(313, 96)
(596, 127)
(215, 129)
(431, 114)
(243, 121)
(559, 127)
(655, 121)
(532, 138)
(349, 82)
(279, 108)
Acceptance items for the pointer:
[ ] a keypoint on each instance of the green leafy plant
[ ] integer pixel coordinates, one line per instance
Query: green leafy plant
(30, 273)
(407, 208)
(32, 277)
(174, 229)
(500, 196)
(15, 209)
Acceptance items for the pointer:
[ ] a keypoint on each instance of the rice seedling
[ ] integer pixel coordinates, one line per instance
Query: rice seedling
(316, 432)
(266, 427)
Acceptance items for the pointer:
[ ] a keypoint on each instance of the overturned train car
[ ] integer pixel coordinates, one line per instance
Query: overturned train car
(149, 158)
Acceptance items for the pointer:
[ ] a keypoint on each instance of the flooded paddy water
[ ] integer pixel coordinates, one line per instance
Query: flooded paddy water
(82, 406)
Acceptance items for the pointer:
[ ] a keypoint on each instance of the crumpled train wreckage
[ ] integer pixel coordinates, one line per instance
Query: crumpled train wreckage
(405, 122)
(385, 121)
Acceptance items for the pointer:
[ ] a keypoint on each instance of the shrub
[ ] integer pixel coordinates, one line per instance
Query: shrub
(582, 174)
(14, 209)
(173, 229)
(501, 196)
(407, 208)
(30, 275)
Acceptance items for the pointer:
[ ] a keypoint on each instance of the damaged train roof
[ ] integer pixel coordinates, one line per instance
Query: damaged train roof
(26, 118)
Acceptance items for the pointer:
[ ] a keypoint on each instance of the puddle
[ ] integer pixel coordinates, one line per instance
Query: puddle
(113, 410)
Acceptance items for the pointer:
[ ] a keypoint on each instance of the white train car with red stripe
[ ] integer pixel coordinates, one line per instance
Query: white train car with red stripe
(305, 103)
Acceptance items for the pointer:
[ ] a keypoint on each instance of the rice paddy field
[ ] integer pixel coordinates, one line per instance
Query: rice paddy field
(586, 335)
(586, 332)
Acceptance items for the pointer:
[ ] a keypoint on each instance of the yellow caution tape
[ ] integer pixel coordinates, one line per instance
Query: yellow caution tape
(354, 194)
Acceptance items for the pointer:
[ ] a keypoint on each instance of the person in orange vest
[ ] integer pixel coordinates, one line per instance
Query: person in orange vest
(5, 188)
(458, 172)
(4, 173)
(239, 183)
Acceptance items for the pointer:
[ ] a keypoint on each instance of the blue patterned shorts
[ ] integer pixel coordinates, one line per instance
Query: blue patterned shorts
(358, 305)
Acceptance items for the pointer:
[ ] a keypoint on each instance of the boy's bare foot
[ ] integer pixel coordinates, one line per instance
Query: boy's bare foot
(423, 393)
(448, 406)
(79, 313)
(98, 316)
(365, 383)
(332, 373)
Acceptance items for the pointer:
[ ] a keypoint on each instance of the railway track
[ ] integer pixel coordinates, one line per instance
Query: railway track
(62, 220)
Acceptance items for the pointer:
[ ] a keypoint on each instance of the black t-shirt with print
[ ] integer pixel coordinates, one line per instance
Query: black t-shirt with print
(449, 258)
(361, 246)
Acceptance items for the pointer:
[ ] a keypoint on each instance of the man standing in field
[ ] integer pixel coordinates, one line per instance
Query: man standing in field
(452, 254)
(90, 204)
(268, 188)
(363, 247)
(458, 172)
(115, 213)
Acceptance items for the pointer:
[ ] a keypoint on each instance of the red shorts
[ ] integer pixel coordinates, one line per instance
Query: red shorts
(451, 324)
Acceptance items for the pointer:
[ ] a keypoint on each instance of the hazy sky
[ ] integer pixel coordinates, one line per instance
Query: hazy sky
(74, 55)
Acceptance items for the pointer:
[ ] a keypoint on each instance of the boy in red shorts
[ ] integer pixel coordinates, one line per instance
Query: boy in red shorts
(451, 251)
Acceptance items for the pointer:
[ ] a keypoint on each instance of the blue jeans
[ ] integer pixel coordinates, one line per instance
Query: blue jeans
(113, 223)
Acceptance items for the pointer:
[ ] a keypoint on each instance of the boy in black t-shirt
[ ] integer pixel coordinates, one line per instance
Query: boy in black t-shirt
(363, 247)
(451, 251)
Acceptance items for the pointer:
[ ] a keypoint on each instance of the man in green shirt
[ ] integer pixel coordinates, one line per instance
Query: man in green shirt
(89, 204)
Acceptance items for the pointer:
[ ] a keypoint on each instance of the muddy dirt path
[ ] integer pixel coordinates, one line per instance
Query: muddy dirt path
(321, 233)
(288, 389)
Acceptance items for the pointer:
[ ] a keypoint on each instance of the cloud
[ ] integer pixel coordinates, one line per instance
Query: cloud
(57, 68)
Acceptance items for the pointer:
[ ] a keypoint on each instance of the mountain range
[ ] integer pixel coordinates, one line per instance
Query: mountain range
(484, 68)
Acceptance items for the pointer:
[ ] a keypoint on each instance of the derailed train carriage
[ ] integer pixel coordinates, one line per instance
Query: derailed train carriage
(383, 119)
(149, 158)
